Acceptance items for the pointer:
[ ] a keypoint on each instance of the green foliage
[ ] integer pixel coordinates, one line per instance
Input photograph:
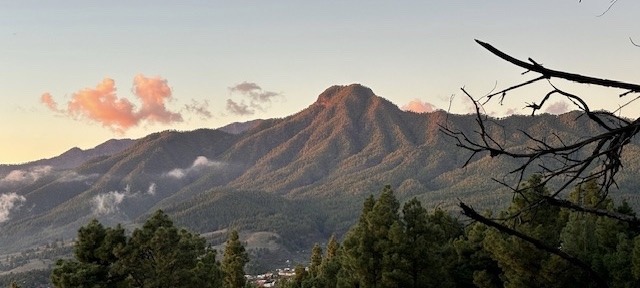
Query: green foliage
(157, 255)
(233, 262)
(316, 260)
(605, 244)
(475, 265)
(386, 249)
(522, 264)
(421, 249)
(95, 259)
(331, 265)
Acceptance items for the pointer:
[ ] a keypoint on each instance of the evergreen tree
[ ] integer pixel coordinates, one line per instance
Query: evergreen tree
(368, 259)
(233, 262)
(158, 255)
(427, 242)
(604, 243)
(95, 259)
(161, 255)
(208, 271)
(316, 260)
(331, 265)
(475, 267)
(357, 247)
(524, 265)
(313, 278)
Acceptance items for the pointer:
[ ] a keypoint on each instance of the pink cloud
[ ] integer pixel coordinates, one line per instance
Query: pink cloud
(47, 99)
(418, 106)
(102, 104)
(557, 108)
(153, 92)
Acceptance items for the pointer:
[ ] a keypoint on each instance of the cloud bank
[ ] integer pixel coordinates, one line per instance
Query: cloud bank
(26, 176)
(418, 106)
(199, 163)
(9, 202)
(102, 104)
(254, 98)
(109, 202)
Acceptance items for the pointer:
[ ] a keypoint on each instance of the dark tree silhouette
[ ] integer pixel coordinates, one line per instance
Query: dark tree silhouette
(559, 161)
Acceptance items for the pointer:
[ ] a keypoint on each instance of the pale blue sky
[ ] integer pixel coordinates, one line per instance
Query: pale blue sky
(403, 50)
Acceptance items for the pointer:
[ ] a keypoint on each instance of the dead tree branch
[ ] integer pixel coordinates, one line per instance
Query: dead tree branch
(560, 162)
(572, 162)
(549, 73)
(471, 213)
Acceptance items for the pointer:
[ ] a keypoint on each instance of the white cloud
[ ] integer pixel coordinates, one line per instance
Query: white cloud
(152, 189)
(72, 176)
(199, 163)
(177, 173)
(26, 176)
(108, 203)
(9, 202)
(558, 108)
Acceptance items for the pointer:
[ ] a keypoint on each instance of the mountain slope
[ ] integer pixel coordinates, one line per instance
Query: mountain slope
(300, 178)
(73, 157)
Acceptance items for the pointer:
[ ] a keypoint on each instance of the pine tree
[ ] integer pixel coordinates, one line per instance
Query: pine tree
(158, 255)
(604, 243)
(233, 262)
(368, 259)
(161, 255)
(331, 265)
(475, 267)
(316, 260)
(524, 265)
(95, 260)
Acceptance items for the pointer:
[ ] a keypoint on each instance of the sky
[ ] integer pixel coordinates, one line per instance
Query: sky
(77, 73)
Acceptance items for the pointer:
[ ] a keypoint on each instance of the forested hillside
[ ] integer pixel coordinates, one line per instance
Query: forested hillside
(300, 178)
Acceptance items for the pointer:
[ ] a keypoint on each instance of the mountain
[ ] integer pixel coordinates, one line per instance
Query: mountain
(296, 179)
(72, 158)
(240, 127)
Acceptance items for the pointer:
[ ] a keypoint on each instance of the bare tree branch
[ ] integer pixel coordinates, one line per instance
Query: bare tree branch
(471, 213)
(613, 2)
(594, 157)
(560, 161)
(549, 73)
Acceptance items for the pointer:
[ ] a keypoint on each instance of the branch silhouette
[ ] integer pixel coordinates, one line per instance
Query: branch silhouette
(558, 160)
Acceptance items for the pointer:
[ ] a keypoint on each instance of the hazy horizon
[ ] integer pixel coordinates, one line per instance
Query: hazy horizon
(77, 73)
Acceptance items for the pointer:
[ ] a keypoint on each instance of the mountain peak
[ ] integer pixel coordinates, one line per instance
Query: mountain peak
(338, 93)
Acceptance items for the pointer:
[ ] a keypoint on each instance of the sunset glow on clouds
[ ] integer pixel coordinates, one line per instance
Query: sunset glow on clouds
(418, 106)
(228, 59)
(102, 104)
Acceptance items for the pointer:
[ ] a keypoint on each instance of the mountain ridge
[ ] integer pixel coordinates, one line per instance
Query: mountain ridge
(302, 177)
(74, 156)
